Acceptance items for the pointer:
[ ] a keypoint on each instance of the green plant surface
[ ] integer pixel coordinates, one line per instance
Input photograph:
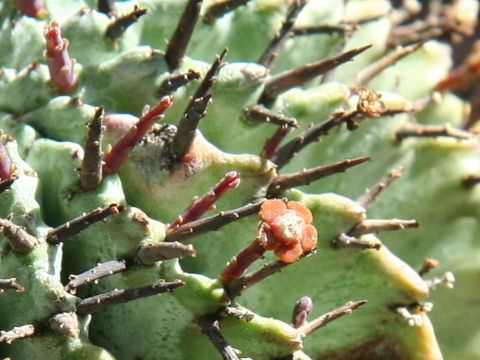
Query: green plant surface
(44, 128)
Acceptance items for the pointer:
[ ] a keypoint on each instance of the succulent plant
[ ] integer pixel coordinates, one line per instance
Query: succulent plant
(251, 109)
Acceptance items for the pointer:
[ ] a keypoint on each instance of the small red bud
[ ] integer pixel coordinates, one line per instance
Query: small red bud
(6, 167)
(59, 62)
(33, 8)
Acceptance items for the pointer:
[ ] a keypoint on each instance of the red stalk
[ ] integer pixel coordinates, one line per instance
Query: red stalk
(59, 62)
(273, 143)
(6, 167)
(33, 8)
(239, 264)
(205, 203)
(117, 156)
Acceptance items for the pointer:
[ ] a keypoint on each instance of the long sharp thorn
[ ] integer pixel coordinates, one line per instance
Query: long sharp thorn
(428, 265)
(220, 8)
(405, 13)
(372, 193)
(91, 173)
(471, 181)
(239, 264)
(369, 105)
(414, 37)
(418, 130)
(10, 284)
(211, 328)
(5, 184)
(272, 144)
(176, 81)
(283, 182)
(371, 71)
(153, 251)
(116, 29)
(195, 228)
(288, 151)
(323, 320)
(178, 44)
(259, 113)
(271, 53)
(343, 28)
(205, 203)
(98, 272)
(375, 226)
(195, 110)
(105, 6)
(236, 287)
(75, 226)
(188, 125)
(296, 77)
(348, 241)
(18, 333)
(20, 240)
(437, 25)
(115, 297)
(117, 156)
(209, 79)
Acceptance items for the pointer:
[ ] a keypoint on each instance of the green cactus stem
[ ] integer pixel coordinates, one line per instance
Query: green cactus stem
(96, 195)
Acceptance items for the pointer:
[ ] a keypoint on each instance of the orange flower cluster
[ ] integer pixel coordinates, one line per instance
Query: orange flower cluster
(286, 229)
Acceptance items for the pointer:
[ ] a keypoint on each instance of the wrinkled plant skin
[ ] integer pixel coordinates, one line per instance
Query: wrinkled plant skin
(129, 166)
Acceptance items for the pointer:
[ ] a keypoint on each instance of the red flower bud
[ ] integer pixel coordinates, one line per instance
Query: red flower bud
(287, 229)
